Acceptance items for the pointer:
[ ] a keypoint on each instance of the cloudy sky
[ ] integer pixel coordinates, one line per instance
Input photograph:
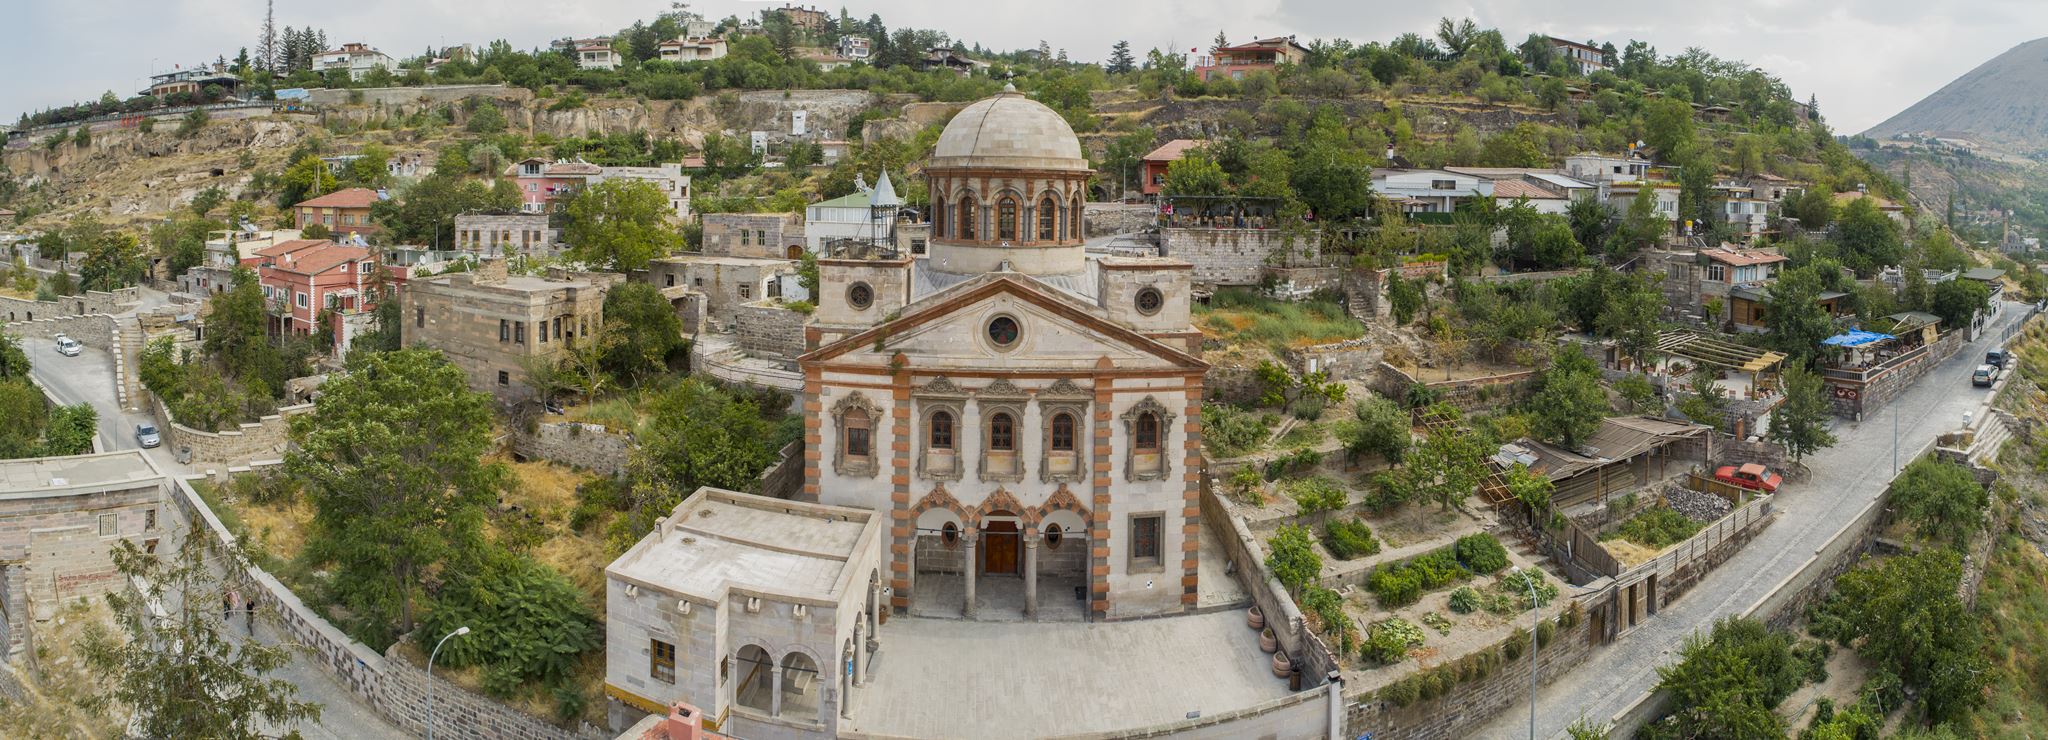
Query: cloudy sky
(1865, 59)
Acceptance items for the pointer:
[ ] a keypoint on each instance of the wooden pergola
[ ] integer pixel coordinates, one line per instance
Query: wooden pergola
(1717, 353)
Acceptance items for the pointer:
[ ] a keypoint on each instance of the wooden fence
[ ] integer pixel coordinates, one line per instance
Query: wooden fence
(1699, 480)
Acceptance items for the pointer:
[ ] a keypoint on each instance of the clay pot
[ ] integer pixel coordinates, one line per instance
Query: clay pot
(1267, 642)
(1281, 665)
(1254, 618)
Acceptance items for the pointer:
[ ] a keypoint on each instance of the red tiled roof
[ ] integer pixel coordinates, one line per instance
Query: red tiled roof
(322, 259)
(281, 249)
(1512, 189)
(349, 198)
(1742, 257)
(1172, 151)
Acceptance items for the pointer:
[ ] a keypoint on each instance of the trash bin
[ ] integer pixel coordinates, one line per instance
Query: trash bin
(184, 456)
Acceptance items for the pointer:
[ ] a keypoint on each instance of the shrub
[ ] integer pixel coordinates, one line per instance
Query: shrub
(1328, 609)
(1248, 485)
(1545, 632)
(1231, 432)
(1394, 586)
(1656, 528)
(1403, 692)
(1465, 600)
(531, 621)
(1400, 584)
(1514, 590)
(1349, 540)
(1516, 644)
(1481, 553)
(1292, 557)
(1388, 641)
(1316, 495)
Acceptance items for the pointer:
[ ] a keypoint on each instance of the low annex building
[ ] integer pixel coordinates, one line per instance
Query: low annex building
(58, 518)
(759, 610)
(494, 325)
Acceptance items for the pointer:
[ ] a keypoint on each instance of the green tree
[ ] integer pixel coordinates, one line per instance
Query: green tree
(619, 225)
(1904, 614)
(426, 213)
(1797, 319)
(1569, 403)
(26, 411)
(1640, 227)
(371, 166)
(1728, 683)
(69, 430)
(1378, 427)
(646, 332)
(1958, 301)
(1814, 207)
(391, 460)
(529, 623)
(305, 179)
(1942, 500)
(1447, 467)
(1868, 237)
(170, 663)
(1801, 422)
(1292, 557)
(113, 259)
(696, 435)
(181, 242)
(14, 362)
(1195, 174)
(1120, 59)
(1667, 128)
(485, 118)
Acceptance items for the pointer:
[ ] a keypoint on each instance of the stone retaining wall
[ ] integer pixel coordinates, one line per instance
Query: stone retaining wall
(459, 712)
(1109, 219)
(589, 447)
(1467, 706)
(769, 330)
(1858, 401)
(785, 478)
(92, 330)
(90, 302)
(266, 439)
(1226, 257)
(413, 97)
(1346, 360)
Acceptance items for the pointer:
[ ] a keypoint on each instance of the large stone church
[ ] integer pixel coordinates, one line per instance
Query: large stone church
(1026, 416)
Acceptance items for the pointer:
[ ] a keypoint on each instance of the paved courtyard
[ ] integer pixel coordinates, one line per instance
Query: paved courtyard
(940, 678)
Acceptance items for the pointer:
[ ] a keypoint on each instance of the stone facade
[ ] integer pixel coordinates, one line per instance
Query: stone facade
(726, 283)
(1351, 358)
(770, 331)
(506, 234)
(57, 522)
(493, 325)
(1858, 394)
(1232, 257)
(89, 302)
(461, 713)
(266, 439)
(91, 330)
(584, 446)
(758, 235)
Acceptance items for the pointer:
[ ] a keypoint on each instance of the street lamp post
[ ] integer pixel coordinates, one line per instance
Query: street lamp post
(1535, 644)
(459, 631)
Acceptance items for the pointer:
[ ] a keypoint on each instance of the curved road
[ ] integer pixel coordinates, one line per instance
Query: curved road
(1845, 478)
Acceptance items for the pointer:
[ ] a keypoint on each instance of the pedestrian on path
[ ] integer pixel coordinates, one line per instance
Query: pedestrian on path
(228, 602)
(249, 618)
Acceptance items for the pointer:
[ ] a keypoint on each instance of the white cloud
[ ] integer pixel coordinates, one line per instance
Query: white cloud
(1864, 59)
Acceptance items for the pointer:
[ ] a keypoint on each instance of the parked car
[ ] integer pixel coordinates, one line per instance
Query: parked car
(145, 435)
(68, 347)
(1751, 476)
(1996, 358)
(1985, 376)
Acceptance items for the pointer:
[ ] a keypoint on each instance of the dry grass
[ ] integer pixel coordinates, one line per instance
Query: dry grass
(278, 529)
(54, 705)
(548, 492)
(1629, 553)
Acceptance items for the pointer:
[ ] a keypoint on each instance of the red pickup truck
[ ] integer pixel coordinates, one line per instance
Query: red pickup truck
(1751, 476)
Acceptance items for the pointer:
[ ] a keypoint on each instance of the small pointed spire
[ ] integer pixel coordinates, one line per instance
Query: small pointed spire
(1009, 87)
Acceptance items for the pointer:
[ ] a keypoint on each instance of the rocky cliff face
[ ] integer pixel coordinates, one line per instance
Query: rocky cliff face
(125, 174)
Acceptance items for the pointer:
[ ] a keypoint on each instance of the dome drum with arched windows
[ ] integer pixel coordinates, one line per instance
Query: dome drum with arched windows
(1008, 183)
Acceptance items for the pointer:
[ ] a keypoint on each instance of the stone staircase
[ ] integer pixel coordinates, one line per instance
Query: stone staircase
(128, 361)
(1991, 435)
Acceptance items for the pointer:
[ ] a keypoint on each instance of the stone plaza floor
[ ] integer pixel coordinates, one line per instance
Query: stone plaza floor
(946, 678)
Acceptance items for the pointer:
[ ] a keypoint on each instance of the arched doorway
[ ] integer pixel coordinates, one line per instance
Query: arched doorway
(796, 251)
(800, 687)
(756, 689)
(1001, 545)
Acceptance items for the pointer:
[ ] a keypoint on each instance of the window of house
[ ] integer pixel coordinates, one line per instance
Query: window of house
(1047, 220)
(1002, 433)
(1145, 539)
(746, 238)
(302, 300)
(761, 237)
(518, 332)
(363, 267)
(1149, 301)
(558, 327)
(1063, 432)
(942, 430)
(1716, 271)
(543, 331)
(669, 280)
(1443, 184)
(110, 525)
(949, 533)
(1006, 219)
(1074, 219)
(859, 427)
(661, 661)
(860, 296)
(1004, 331)
(1147, 434)
(746, 291)
(917, 246)
(939, 219)
(504, 330)
(698, 282)
(504, 378)
(969, 213)
(149, 520)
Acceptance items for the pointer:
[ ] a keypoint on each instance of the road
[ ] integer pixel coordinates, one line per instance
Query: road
(1845, 478)
(89, 378)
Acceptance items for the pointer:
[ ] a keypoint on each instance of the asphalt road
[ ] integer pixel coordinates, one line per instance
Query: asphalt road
(87, 378)
(1844, 479)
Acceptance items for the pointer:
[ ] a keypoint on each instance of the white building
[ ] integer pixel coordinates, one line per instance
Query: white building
(760, 611)
(1429, 191)
(358, 59)
(596, 53)
(865, 215)
(856, 48)
(1543, 189)
(1587, 56)
(691, 50)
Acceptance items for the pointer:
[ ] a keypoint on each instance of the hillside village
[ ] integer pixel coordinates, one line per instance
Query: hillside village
(798, 376)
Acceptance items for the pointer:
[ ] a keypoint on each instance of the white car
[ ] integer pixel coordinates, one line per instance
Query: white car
(68, 347)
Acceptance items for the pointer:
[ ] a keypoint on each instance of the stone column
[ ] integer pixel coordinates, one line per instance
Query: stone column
(846, 683)
(860, 655)
(968, 569)
(1031, 576)
(775, 689)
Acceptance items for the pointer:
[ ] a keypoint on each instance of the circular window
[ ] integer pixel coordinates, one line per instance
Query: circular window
(950, 534)
(860, 296)
(1149, 301)
(1004, 331)
(1053, 535)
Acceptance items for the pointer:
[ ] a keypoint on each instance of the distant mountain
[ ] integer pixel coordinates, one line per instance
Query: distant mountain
(1998, 104)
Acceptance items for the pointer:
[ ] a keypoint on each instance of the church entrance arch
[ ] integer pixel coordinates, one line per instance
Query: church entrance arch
(1001, 543)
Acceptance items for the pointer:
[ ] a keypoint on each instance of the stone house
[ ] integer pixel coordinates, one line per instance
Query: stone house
(344, 211)
(763, 235)
(506, 234)
(494, 325)
(59, 519)
(725, 282)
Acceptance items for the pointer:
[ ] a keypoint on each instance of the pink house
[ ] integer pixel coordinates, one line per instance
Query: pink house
(302, 278)
(545, 185)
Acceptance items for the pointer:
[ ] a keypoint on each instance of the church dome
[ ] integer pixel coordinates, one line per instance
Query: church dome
(1008, 131)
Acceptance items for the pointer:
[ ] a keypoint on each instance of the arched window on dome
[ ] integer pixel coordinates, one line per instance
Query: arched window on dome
(1006, 218)
(1048, 220)
(1074, 219)
(967, 216)
(939, 220)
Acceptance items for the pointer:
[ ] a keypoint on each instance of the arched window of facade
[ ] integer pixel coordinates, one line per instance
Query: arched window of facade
(1074, 219)
(939, 220)
(1048, 220)
(942, 430)
(1063, 432)
(1006, 218)
(1002, 433)
(859, 443)
(1147, 435)
(967, 216)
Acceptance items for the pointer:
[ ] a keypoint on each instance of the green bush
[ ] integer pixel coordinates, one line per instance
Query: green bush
(1516, 644)
(1349, 540)
(1394, 587)
(1400, 584)
(1657, 528)
(1466, 600)
(1545, 632)
(1230, 432)
(1481, 553)
(1403, 692)
(1316, 495)
(1388, 641)
(530, 622)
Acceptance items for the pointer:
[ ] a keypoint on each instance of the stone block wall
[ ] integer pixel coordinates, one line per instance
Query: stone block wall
(266, 439)
(786, 477)
(1465, 707)
(92, 330)
(1881, 388)
(589, 447)
(770, 331)
(90, 302)
(1353, 358)
(1108, 219)
(1229, 257)
(459, 712)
